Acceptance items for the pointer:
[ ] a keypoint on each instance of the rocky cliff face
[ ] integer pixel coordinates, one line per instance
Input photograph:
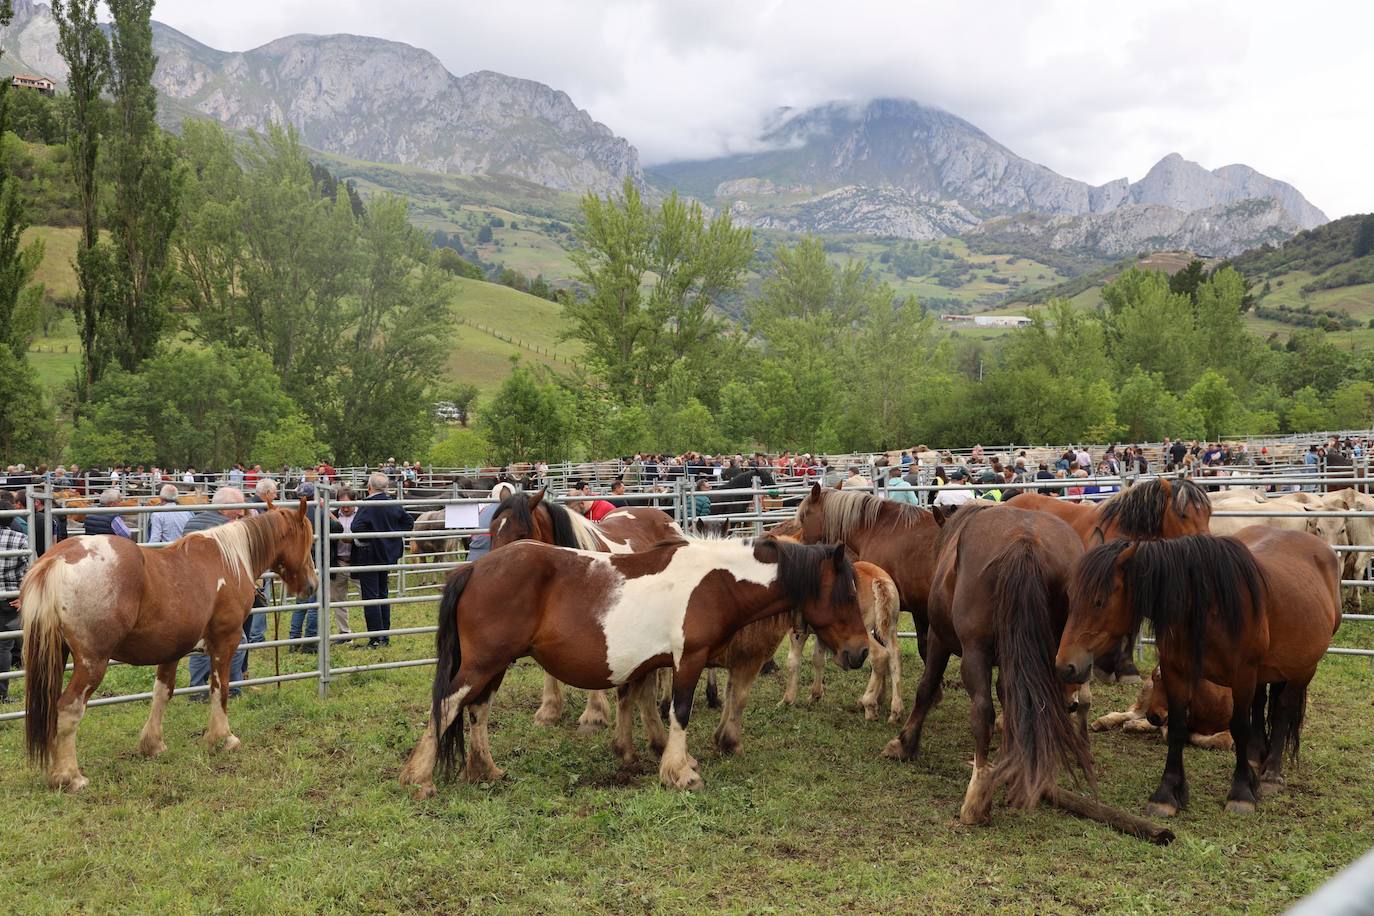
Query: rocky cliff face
(376, 100)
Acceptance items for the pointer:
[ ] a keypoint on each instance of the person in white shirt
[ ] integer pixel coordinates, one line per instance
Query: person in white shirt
(166, 527)
(952, 499)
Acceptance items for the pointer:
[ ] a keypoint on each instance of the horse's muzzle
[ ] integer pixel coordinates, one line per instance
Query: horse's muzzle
(1076, 669)
(851, 660)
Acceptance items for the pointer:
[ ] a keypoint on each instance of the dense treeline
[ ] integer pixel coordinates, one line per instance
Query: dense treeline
(827, 359)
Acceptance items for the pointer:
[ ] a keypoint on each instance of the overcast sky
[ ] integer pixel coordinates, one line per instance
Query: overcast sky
(1096, 90)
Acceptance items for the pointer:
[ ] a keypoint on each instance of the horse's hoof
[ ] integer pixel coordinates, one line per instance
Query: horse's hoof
(894, 717)
(870, 714)
(970, 818)
(1271, 786)
(422, 792)
(816, 697)
(1239, 806)
(70, 784)
(481, 774)
(687, 781)
(895, 750)
(590, 726)
(727, 744)
(1160, 809)
(547, 716)
(1129, 679)
(151, 749)
(231, 743)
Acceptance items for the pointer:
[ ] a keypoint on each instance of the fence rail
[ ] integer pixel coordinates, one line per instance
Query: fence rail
(749, 511)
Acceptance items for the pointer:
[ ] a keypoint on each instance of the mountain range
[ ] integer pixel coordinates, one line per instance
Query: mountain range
(886, 167)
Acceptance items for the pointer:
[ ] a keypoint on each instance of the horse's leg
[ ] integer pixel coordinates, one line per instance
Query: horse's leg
(480, 767)
(150, 739)
(976, 671)
(63, 771)
(712, 690)
(649, 717)
(742, 677)
(419, 767)
(221, 649)
(873, 693)
(894, 666)
(551, 703)
(1126, 670)
(1257, 747)
(818, 672)
(1244, 794)
(623, 744)
(1287, 715)
(1085, 705)
(928, 694)
(597, 713)
(795, 641)
(1172, 793)
(677, 769)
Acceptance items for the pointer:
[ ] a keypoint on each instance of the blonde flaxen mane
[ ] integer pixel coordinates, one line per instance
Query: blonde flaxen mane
(847, 512)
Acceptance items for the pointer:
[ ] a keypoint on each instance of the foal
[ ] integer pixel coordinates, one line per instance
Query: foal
(598, 621)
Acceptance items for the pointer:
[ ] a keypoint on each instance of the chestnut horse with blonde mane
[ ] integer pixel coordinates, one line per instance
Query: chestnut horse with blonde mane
(102, 597)
(1244, 612)
(530, 517)
(608, 620)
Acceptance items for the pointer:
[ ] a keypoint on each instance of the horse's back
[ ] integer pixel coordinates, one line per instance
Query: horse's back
(1303, 603)
(640, 526)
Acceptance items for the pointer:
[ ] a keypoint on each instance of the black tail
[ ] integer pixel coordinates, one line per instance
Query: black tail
(1038, 736)
(450, 741)
(1294, 739)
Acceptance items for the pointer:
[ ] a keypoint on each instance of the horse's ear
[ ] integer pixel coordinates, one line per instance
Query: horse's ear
(815, 490)
(536, 497)
(1096, 539)
(837, 556)
(940, 516)
(301, 509)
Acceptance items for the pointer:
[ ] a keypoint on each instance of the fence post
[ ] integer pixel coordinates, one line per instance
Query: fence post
(755, 483)
(324, 625)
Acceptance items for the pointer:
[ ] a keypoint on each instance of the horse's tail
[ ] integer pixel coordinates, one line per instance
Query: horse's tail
(1294, 739)
(40, 598)
(1038, 735)
(450, 740)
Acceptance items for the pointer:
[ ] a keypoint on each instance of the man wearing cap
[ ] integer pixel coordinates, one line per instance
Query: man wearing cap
(993, 490)
(953, 499)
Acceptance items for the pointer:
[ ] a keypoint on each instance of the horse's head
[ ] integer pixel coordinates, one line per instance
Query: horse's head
(515, 519)
(811, 515)
(294, 560)
(819, 580)
(1099, 610)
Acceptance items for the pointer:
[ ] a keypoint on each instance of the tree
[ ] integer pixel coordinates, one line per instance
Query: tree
(484, 235)
(528, 419)
(461, 448)
(147, 178)
(1148, 411)
(652, 279)
(289, 443)
(19, 301)
(449, 260)
(1221, 332)
(27, 431)
(461, 396)
(1151, 327)
(84, 48)
(1188, 279)
(1352, 405)
(1305, 412)
(1214, 400)
(1364, 237)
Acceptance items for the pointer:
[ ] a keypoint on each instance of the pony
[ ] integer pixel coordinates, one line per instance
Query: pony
(103, 597)
(1151, 509)
(529, 516)
(1000, 598)
(896, 537)
(1244, 612)
(599, 620)
(431, 550)
(1209, 713)
(735, 504)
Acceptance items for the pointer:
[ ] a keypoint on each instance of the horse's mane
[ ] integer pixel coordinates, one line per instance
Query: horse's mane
(1139, 511)
(799, 572)
(569, 528)
(245, 544)
(846, 512)
(1176, 584)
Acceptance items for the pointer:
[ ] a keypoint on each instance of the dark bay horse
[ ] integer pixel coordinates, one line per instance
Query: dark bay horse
(1000, 598)
(1150, 510)
(528, 516)
(601, 621)
(896, 537)
(1255, 609)
(103, 597)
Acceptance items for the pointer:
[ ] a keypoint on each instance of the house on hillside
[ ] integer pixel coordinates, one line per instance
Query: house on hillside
(989, 321)
(38, 83)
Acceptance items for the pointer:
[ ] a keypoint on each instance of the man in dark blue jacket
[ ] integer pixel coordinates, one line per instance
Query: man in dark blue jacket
(376, 552)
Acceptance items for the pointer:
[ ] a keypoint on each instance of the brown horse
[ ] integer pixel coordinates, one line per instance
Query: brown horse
(1209, 713)
(103, 597)
(896, 537)
(530, 517)
(1245, 611)
(1000, 598)
(601, 621)
(1151, 509)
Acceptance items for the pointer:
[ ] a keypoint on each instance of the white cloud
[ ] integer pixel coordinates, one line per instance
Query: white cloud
(1094, 90)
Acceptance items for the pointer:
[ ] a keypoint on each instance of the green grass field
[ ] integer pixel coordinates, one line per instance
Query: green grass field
(307, 815)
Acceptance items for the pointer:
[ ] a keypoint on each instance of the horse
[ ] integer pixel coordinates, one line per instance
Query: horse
(431, 550)
(529, 516)
(1255, 609)
(896, 537)
(103, 597)
(1000, 597)
(1209, 713)
(1151, 509)
(605, 620)
(734, 504)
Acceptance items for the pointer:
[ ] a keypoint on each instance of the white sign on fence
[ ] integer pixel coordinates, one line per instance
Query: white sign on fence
(461, 516)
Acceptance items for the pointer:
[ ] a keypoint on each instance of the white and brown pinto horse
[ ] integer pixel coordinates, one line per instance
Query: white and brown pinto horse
(528, 516)
(598, 621)
(104, 597)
